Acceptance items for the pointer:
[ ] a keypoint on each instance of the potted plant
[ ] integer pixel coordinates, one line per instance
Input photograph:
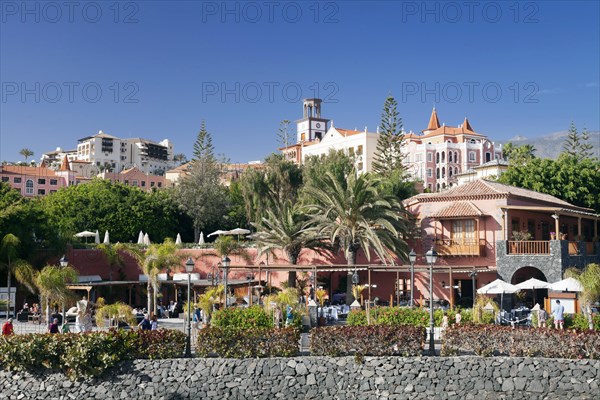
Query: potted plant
(519, 236)
(321, 295)
(552, 235)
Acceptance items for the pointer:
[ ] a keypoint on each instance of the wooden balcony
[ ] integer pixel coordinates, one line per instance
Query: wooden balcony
(529, 247)
(449, 247)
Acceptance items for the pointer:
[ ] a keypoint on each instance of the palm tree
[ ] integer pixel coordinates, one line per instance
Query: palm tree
(114, 258)
(52, 282)
(359, 213)
(152, 261)
(590, 280)
(289, 229)
(26, 153)
(9, 258)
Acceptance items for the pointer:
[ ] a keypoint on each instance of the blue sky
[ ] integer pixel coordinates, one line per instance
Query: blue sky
(155, 69)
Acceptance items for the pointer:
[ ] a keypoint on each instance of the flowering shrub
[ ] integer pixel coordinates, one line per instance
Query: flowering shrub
(501, 340)
(374, 340)
(242, 318)
(245, 343)
(88, 354)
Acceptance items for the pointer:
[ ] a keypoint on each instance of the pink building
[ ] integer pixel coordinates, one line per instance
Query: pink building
(135, 177)
(39, 181)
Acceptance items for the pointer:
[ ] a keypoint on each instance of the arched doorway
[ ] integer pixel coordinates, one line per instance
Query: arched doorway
(529, 297)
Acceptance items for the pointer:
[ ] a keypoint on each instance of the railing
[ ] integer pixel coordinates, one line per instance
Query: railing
(529, 247)
(573, 248)
(450, 247)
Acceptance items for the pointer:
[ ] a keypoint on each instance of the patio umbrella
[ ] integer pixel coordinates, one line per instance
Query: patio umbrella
(85, 234)
(498, 287)
(147, 239)
(106, 238)
(238, 231)
(219, 232)
(533, 284)
(97, 237)
(567, 285)
(140, 238)
(178, 240)
(201, 241)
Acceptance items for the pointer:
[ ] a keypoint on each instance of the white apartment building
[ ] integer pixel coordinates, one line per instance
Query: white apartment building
(436, 156)
(115, 154)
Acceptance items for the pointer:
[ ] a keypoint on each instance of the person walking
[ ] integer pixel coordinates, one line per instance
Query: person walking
(445, 321)
(145, 324)
(154, 323)
(558, 313)
(458, 317)
(8, 328)
(53, 328)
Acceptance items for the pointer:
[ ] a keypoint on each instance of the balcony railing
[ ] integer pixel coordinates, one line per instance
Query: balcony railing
(451, 247)
(529, 247)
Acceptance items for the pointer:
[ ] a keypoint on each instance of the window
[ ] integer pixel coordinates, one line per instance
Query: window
(360, 166)
(135, 182)
(53, 191)
(443, 172)
(159, 184)
(143, 183)
(443, 156)
(151, 184)
(17, 180)
(351, 151)
(429, 173)
(463, 231)
(437, 173)
(359, 151)
(53, 182)
(449, 156)
(41, 191)
(41, 181)
(471, 156)
(437, 158)
(29, 186)
(5, 179)
(455, 156)
(488, 156)
(303, 137)
(418, 157)
(429, 157)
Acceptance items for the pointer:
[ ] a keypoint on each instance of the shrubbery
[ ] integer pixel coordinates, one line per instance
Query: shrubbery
(245, 343)
(88, 354)
(242, 318)
(374, 340)
(397, 316)
(485, 340)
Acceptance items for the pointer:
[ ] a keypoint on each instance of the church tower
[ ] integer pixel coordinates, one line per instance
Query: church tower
(311, 126)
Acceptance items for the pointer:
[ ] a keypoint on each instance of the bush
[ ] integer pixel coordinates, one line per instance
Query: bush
(501, 340)
(246, 343)
(88, 354)
(374, 340)
(242, 318)
(400, 316)
(357, 318)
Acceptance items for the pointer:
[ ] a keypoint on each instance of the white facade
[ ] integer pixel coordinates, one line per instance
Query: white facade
(106, 151)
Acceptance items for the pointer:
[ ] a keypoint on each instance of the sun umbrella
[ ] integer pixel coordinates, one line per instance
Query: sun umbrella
(106, 238)
(140, 238)
(567, 285)
(238, 231)
(533, 284)
(147, 239)
(219, 232)
(97, 237)
(201, 241)
(85, 234)
(498, 287)
(178, 240)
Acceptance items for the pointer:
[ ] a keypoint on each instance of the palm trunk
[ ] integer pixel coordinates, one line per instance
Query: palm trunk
(292, 279)
(153, 302)
(149, 296)
(351, 262)
(8, 282)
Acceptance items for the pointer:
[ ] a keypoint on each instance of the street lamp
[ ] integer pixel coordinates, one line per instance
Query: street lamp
(225, 262)
(473, 275)
(412, 257)
(431, 257)
(189, 267)
(63, 261)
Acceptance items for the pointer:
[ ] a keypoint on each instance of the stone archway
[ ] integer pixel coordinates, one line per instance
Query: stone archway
(530, 297)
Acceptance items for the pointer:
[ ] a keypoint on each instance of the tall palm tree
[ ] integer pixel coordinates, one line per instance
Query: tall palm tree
(52, 282)
(589, 278)
(291, 230)
(9, 258)
(359, 213)
(26, 153)
(114, 258)
(152, 261)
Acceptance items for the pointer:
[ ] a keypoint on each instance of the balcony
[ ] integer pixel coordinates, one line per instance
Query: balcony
(529, 247)
(453, 248)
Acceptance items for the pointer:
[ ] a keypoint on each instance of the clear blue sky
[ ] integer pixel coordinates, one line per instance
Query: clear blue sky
(173, 60)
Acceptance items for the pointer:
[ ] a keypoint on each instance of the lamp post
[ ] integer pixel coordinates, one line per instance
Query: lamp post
(412, 257)
(189, 267)
(473, 275)
(431, 257)
(63, 263)
(225, 263)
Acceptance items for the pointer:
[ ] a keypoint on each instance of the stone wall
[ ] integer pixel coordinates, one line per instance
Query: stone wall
(322, 378)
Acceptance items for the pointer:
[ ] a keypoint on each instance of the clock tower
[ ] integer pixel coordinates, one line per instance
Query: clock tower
(311, 127)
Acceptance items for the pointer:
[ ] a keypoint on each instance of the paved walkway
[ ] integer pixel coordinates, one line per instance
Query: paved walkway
(34, 327)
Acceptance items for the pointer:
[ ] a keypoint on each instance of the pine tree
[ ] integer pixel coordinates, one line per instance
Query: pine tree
(572, 142)
(283, 133)
(204, 150)
(587, 149)
(388, 156)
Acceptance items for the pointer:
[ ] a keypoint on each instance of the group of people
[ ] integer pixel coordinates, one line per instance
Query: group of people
(558, 312)
(457, 319)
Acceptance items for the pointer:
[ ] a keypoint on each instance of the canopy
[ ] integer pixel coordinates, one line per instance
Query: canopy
(106, 238)
(85, 234)
(498, 287)
(178, 240)
(567, 285)
(219, 232)
(533, 284)
(140, 238)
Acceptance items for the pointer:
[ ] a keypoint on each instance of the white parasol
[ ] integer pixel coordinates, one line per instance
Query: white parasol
(106, 238)
(201, 241)
(567, 285)
(219, 232)
(178, 240)
(97, 237)
(140, 238)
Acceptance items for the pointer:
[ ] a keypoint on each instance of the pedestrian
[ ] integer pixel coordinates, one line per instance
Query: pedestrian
(65, 328)
(542, 318)
(458, 317)
(53, 328)
(145, 324)
(8, 328)
(445, 321)
(558, 313)
(154, 323)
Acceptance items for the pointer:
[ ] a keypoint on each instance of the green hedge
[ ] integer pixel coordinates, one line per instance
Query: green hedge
(572, 321)
(88, 354)
(242, 318)
(246, 343)
(374, 340)
(487, 340)
(398, 316)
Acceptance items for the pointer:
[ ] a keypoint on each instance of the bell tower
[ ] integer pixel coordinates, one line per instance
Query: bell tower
(311, 127)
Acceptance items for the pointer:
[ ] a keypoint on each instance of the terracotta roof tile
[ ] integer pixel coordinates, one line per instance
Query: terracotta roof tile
(434, 122)
(459, 209)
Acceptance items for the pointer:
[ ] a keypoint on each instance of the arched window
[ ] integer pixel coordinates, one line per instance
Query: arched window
(443, 156)
(450, 172)
(456, 157)
(437, 173)
(438, 187)
(29, 186)
(443, 172)
(443, 186)
(437, 158)
(449, 156)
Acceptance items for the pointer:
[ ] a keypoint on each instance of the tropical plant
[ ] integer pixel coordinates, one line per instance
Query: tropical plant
(52, 282)
(9, 259)
(321, 295)
(26, 153)
(521, 236)
(358, 213)
(208, 299)
(115, 313)
(589, 278)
